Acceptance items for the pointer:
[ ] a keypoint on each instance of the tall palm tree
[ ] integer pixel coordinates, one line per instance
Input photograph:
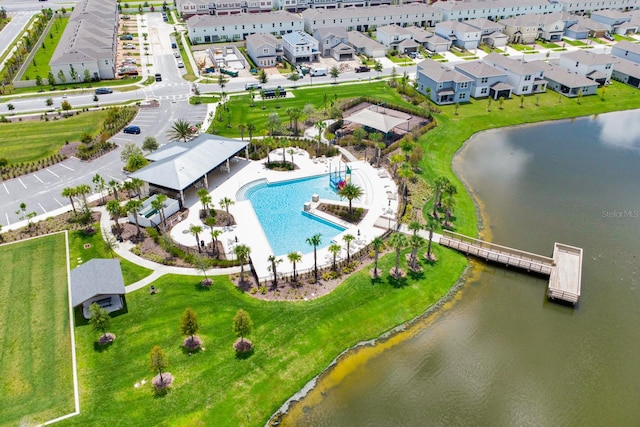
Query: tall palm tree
(414, 227)
(251, 127)
(291, 152)
(294, 257)
(379, 146)
(83, 190)
(335, 250)
(377, 244)
(210, 222)
(315, 241)
(398, 241)
(70, 192)
(133, 207)
(99, 185)
(137, 184)
(225, 202)
(320, 126)
(195, 230)
(439, 185)
(180, 130)
(431, 224)
(242, 127)
(242, 253)
(405, 173)
(448, 204)
(274, 262)
(350, 192)
(115, 187)
(205, 198)
(115, 211)
(415, 241)
(158, 204)
(296, 113)
(348, 238)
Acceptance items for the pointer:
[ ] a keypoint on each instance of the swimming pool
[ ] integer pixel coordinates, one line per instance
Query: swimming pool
(280, 209)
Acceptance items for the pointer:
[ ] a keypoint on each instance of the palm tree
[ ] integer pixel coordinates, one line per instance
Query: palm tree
(377, 244)
(115, 210)
(242, 253)
(334, 249)
(350, 192)
(294, 257)
(158, 205)
(133, 207)
(137, 184)
(431, 223)
(115, 187)
(295, 114)
(348, 238)
(83, 190)
(320, 126)
(448, 205)
(291, 152)
(414, 227)
(242, 127)
(70, 192)
(99, 185)
(439, 185)
(225, 202)
(205, 198)
(210, 222)
(274, 262)
(180, 130)
(415, 241)
(398, 241)
(315, 241)
(251, 127)
(195, 230)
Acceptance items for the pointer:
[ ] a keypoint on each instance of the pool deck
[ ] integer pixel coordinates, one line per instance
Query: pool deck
(379, 198)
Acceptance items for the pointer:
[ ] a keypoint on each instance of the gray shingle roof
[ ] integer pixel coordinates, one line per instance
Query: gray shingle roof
(441, 73)
(96, 277)
(198, 21)
(627, 45)
(376, 11)
(564, 76)
(394, 30)
(627, 67)
(357, 39)
(514, 65)
(587, 57)
(178, 165)
(479, 69)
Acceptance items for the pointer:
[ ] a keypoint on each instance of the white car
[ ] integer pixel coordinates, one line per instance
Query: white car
(129, 46)
(180, 64)
(176, 54)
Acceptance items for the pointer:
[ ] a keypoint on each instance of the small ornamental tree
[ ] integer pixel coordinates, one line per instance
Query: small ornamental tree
(101, 321)
(158, 362)
(189, 327)
(242, 325)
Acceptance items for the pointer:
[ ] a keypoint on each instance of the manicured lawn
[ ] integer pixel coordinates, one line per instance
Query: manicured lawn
(36, 384)
(131, 273)
(39, 139)
(39, 66)
(574, 42)
(294, 341)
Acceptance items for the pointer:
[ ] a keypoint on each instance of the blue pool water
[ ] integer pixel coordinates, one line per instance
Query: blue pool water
(280, 209)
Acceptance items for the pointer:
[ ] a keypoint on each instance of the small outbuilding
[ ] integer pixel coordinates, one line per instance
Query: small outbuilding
(100, 281)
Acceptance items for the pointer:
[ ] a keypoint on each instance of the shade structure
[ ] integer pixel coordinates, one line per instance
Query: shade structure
(375, 120)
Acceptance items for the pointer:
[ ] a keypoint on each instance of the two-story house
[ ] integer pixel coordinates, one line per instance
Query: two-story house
(264, 49)
(487, 81)
(428, 40)
(461, 35)
(334, 42)
(596, 66)
(525, 77)
(626, 71)
(396, 38)
(551, 26)
(620, 23)
(441, 84)
(300, 47)
(490, 32)
(212, 29)
(565, 82)
(627, 50)
(522, 29)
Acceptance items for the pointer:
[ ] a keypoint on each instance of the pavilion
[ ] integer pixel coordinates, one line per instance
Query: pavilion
(379, 121)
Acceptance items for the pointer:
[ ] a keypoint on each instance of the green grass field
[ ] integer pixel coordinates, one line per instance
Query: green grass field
(39, 66)
(293, 342)
(36, 384)
(29, 141)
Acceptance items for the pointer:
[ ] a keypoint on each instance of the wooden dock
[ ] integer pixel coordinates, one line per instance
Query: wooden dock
(564, 269)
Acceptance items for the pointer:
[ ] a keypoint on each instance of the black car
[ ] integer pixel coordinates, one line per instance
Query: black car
(132, 129)
(362, 69)
(103, 91)
(158, 77)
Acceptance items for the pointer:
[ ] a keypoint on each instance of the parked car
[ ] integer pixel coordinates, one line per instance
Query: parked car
(126, 17)
(158, 77)
(128, 72)
(126, 37)
(128, 46)
(103, 91)
(129, 61)
(256, 86)
(132, 129)
(180, 64)
(176, 54)
(362, 69)
(318, 72)
(609, 37)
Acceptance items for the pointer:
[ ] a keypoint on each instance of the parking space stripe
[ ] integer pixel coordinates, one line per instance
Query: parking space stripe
(43, 209)
(67, 167)
(38, 178)
(58, 201)
(5, 188)
(22, 183)
(49, 170)
(7, 215)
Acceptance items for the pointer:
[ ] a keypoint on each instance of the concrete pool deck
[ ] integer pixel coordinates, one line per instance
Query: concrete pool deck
(379, 198)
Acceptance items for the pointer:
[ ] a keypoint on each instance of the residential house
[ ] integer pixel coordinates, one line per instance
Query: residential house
(595, 28)
(443, 85)
(596, 66)
(567, 83)
(428, 40)
(97, 281)
(212, 29)
(487, 81)
(364, 45)
(494, 10)
(460, 34)
(396, 38)
(620, 23)
(188, 8)
(525, 77)
(88, 43)
(627, 50)
(626, 71)
(300, 47)
(365, 18)
(490, 32)
(264, 49)
(333, 43)
(522, 29)
(581, 7)
(551, 26)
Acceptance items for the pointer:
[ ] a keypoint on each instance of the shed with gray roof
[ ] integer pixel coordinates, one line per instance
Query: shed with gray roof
(100, 281)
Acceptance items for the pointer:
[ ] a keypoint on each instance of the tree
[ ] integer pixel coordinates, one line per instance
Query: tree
(225, 202)
(39, 81)
(348, 238)
(415, 241)
(180, 130)
(205, 198)
(133, 207)
(274, 263)
(51, 79)
(49, 102)
(99, 185)
(294, 258)
(158, 205)
(87, 75)
(61, 77)
(70, 192)
(350, 191)
(377, 66)
(439, 185)
(114, 186)
(195, 230)
(210, 222)
(320, 127)
(242, 324)
(158, 361)
(294, 78)
(242, 128)
(309, 111)
(315, 241)
(273, 122)
(431, 224)
(405, 173)
(83, 190)
(377, 243)
(251, 127)
(189, 323)
(129, 150)
(150, 144)
(398, 241)
(242, 252)
(334, 248)
(115, 211)
(222, 81)
(263, 78)
(359, 134)
(66, 106)
(334, 72)
(99, 319)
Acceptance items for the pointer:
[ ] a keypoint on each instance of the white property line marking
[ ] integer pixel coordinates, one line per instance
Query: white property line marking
(38, 178)
(73, 344)
(43, 209)
(58, 201)
(49, 170)
(22, 183)
(67, 167)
